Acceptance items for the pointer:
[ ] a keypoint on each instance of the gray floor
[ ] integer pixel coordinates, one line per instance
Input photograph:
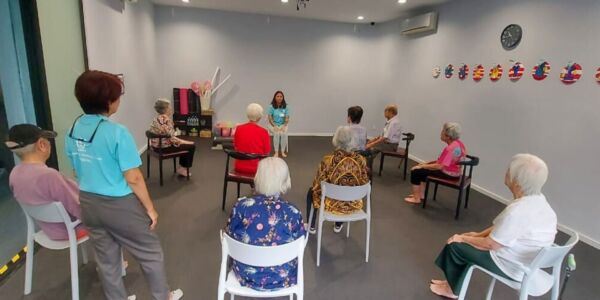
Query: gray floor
(405, 240)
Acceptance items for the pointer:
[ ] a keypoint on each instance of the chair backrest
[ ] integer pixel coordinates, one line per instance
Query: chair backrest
(408, 137)
(467, 164)
(241, 156)
(54, 212)
(160, 137)
(552, 256)
(345, 193)
(262, 256)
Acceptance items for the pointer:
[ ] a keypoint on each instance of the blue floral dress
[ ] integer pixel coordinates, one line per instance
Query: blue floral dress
(265, 221)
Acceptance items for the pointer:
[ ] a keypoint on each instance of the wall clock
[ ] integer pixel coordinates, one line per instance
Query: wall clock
(511, 36)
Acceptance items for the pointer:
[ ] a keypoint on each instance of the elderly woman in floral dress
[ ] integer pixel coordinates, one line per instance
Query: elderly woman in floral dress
(266, 219)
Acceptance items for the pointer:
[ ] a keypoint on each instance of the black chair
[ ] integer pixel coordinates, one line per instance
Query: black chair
(157, 152)
(462, 183)
(401, 153)
(233, 176)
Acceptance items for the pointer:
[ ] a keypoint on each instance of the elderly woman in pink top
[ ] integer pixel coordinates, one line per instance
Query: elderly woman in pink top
(444, 167)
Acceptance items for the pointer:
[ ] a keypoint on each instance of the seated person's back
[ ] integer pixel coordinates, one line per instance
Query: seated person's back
(34, 183)
(251, 138)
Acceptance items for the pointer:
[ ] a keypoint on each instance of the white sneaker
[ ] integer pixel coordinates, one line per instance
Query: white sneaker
(132, 297)
(176, 294)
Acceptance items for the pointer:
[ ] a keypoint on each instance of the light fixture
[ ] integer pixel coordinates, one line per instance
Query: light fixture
(360, 18)
(185, 1)
(401, 1)
(284, 1)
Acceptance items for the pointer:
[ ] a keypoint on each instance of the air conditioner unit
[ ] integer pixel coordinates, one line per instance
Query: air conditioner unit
(422, 24)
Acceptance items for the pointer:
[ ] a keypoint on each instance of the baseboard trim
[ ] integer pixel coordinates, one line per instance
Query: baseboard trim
(310, 134)
(584, 238)
(143, 149)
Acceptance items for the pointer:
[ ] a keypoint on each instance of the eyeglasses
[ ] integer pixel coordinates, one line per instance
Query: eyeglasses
(80, 139)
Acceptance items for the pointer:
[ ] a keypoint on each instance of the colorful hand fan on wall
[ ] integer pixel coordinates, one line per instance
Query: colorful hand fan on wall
(478, 73)
(541, 70)
(436, 72)
(598, 75)
(496, 73)
(463, 72)
(449, 71)
(571, 73)
(516, 71)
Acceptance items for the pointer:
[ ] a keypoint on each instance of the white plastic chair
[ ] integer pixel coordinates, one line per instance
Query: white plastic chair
(260, 256)
(343, 193)
(52, 213)
(549, 257)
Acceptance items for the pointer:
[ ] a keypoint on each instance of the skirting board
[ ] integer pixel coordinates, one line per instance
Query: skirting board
(584, 238)
(143, 149)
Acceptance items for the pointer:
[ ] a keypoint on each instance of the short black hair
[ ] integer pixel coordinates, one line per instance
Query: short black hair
(96, 90)
(355, 113)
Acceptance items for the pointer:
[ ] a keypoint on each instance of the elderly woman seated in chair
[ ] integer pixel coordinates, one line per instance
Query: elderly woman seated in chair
(266, 219)
(446, 166)
(342, 167)
(162, 124)
(522, 229)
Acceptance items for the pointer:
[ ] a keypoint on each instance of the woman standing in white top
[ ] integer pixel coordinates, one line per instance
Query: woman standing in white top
(522, 229)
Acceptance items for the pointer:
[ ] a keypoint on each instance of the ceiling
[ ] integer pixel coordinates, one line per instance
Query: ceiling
(328, 10)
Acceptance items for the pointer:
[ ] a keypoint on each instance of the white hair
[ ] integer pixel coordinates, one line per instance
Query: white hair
(529, 171)
(254, 112)
(272, 177)
(452, 130)
(21, 152)
(343, 139)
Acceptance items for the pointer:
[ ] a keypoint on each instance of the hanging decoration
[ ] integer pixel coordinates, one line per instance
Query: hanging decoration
(516, 71)
(598, 75)
(571, 73)
(541, 70)
(436, 71)
(496, 73)
(478, 73)
(449, 71)
(463, 72)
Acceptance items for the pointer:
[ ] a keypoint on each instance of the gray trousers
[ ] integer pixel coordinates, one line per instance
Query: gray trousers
(122, 222)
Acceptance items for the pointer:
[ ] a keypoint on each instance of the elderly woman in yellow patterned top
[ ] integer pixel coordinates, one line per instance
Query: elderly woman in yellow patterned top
(341, 167)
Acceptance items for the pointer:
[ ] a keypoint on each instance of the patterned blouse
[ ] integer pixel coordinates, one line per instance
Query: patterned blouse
(264, 221)
(162, 124)
(340, 168)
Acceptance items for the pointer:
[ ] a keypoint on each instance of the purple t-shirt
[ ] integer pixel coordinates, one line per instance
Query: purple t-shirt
(37, 184)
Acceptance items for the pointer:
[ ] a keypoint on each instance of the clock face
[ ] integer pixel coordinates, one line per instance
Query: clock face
(511, 36)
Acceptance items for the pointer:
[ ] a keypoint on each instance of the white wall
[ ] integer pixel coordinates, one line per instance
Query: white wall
(557, 122)
(121, 39)
(322, 67)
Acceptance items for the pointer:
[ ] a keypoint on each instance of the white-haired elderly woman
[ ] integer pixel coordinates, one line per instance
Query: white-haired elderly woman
(251, 138)
(342, 167)
(517, 235)
(446, 166)
(163, 124)
(266, 219)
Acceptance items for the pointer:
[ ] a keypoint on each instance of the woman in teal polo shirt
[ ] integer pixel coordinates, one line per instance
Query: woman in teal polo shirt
(115, 204)
(279, 117)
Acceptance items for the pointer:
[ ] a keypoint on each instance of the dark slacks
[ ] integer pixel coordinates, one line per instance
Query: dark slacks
(420, 175)
(186, 160)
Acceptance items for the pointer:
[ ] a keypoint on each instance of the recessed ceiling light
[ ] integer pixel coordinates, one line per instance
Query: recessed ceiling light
(185, 1)
(401, 1)
(360, 17)
(284, 1)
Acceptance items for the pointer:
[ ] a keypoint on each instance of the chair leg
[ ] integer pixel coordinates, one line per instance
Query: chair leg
(291, 296)
(232, 297)
(224, 194)
(426, 193)
(368, 238)
(348, 230)
(29, 265)
(300, 295)
(405, 166)
(147, 164)
(174, 164)
(238, 190)
(435, 192)
(458, 202)
(381, 162)
(160, 172)
(84, 254)
(490, 290)
(319, 234)
(74, 272)
(467, 196)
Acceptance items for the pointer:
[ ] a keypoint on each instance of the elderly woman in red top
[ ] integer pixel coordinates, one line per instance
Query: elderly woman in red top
(251, 138)
(163, 124)
(446, 166)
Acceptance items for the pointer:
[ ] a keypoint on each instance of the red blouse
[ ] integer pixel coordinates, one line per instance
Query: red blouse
(250, 138)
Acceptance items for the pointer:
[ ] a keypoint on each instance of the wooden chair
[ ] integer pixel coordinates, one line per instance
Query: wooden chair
(401, 153)
(157, 152)
(462, 183)
(237, 177)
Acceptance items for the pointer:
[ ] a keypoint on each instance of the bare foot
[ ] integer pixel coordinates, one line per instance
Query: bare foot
(443, 290)
(412, 200)
(437, 281)
(183, 172)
